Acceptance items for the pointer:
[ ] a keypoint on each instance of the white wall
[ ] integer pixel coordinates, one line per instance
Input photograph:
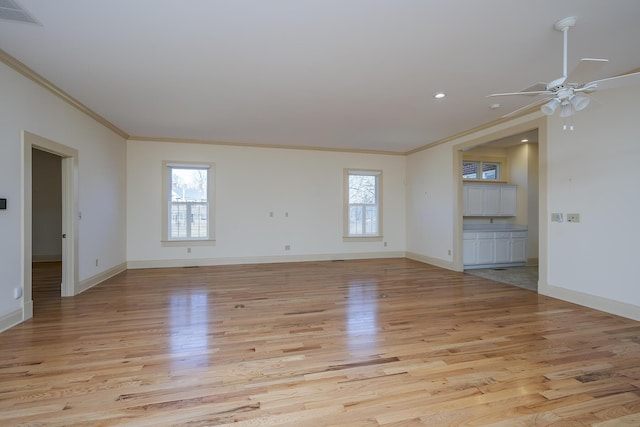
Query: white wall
(25, 105)
(593, 171)
(431, 194)
(250, 183)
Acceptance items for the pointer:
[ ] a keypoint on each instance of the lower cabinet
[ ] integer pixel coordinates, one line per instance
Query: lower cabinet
(486, 248)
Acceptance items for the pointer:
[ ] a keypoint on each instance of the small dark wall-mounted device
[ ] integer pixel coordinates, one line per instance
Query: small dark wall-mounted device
(3, 203)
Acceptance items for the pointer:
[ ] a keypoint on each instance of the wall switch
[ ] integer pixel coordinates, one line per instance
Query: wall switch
(573, 217)
(287, 247)
(556, 217)
(17, 293)
(188, 250)
(96, 262)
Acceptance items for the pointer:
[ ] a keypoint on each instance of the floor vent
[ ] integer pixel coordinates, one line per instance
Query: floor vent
(12, 11)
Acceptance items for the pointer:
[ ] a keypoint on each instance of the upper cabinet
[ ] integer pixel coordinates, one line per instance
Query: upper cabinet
(489, 199)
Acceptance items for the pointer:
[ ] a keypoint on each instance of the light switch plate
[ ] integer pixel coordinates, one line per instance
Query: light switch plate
(556, 217)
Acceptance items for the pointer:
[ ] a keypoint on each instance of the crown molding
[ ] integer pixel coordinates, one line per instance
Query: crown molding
(37, 78)
(252, 145)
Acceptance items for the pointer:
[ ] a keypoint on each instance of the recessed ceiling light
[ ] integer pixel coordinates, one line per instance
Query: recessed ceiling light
(439, 95)
(494, 106)
(524, 140)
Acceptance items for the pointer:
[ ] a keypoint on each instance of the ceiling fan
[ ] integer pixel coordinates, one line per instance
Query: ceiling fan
(568, 93)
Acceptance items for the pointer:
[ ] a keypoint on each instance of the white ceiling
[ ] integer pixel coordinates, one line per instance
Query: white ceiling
(347, 74)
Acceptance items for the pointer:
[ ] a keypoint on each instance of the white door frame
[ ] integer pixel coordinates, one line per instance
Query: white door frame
(69, 166)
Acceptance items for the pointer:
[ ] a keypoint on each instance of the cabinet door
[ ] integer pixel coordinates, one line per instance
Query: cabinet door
(519, 249)
(473, 200)
(469, 251)
(485, 248)
(491, 200)
(503, 247)
(508, 206)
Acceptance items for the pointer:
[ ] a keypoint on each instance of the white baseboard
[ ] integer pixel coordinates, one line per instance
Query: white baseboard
(10, 320)
(46, 258)
(432, 261)
(618, 308)
(85, 284)
(165, 263)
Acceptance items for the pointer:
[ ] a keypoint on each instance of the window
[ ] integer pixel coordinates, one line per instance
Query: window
(363, 200)
(480, 170)
(187, 202)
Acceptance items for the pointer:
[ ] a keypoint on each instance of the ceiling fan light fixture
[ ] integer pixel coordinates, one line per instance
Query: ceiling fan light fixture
(566, 110)
(579, 101)
(550, 107)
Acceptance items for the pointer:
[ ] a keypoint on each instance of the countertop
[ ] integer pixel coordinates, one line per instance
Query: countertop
(494, 227)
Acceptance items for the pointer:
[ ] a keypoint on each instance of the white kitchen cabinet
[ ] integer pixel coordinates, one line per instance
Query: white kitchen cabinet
(489, 199)
(488, 248)
(518, 246)
(502, 247)
(485, 249)
(508, 199)
(473, 200)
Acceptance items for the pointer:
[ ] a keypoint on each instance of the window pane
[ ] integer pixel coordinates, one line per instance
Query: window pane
(490, 171)
(189, 206)
(356, 219)
(362, 189)
(371, 220)
(470, 170)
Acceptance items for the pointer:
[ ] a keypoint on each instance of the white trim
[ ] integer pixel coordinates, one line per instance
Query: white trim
(100, 277)
(167, 263)
(69, 170)
(432, 261)
(10, 320)
(592, 301)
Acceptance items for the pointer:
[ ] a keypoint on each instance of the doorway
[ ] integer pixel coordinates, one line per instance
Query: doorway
(67, 159)
(46, 227)
(525, 169)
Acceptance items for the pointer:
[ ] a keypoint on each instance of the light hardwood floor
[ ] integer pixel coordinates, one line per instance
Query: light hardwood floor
(354, 343)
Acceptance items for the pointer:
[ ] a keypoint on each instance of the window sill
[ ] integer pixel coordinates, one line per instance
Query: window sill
(362, 238)
(180, 243)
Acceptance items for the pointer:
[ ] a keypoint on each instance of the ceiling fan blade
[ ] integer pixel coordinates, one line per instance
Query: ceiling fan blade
(534, 92)
(526, 107)
(613, 82)
(536, 87)
(586, 69)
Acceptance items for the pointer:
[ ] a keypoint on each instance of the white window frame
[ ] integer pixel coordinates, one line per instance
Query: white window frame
(346, 232)
(167, 167)
(501, 169)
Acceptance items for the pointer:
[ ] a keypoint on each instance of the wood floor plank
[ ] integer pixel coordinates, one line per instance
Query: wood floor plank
(355, 343)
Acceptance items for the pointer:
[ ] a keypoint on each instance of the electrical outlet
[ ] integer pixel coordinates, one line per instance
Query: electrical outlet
(573, 217)
(188, 250)
(287, 247)
(96, 262)
(385, 243)
(449, 252)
